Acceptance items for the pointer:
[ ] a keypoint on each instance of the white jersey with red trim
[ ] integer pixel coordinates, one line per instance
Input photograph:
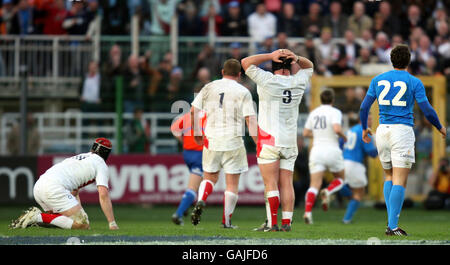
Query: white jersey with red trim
(226, 103)
(279, 98)
(78, 171)
(320, 121)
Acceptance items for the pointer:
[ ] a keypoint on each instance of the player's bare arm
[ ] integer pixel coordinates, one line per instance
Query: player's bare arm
(195, 118)
(105, 203)
(307, 133)
(252, 125)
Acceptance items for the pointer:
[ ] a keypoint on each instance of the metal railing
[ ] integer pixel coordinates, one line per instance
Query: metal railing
(73, 131)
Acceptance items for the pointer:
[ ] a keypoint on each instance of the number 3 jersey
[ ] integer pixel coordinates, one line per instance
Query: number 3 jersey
(78, 171)
(279, 98)
(320, 121)
(395, 91)
(226, 104)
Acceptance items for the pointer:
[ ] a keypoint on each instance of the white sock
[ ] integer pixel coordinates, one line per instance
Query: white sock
(230, 204)
(62, 222)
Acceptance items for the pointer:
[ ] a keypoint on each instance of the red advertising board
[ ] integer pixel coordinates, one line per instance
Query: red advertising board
(160, 179)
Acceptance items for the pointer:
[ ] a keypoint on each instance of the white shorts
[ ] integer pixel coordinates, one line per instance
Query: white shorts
(355, 174)
(52, 196)
(322, 158)
(232, 162)
(286, 155)
(395, 144)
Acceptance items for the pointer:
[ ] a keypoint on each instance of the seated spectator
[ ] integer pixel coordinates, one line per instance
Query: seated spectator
(439, 196)
(33, 138)
(412, 21)
(359, 21)
(340, 67)
(282, 41)
(434, 23)
(328, 50)
(137, 137)
(336, 20)
(443, 54)
(366, 40)
(350, 48)
(381, 48)
(261, 23)
(207, 58)
(116, 18)
(310, 51)
(189, 22)
(203, 78)
(288, 21)
(365, 58)
(234, 24)
(90, 94)
(391, 23)
(422, 54)
(312, 23)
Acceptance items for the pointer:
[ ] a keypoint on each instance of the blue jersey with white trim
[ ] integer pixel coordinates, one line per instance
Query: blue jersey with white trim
(355, 148)
(396, 91)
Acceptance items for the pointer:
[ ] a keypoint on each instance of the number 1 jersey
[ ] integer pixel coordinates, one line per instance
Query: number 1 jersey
(279, 98)
(395, 92)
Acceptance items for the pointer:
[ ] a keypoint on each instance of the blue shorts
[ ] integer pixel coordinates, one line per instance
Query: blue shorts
(193, 160)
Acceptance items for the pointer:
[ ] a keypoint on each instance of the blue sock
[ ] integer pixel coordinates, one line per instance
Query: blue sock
(186, 202)
(387, 193)
(352, 206)
(395, 205)
(345, 191)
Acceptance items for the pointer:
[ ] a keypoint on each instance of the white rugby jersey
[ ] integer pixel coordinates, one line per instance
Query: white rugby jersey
(320, 121)
(279, 98)
(226, 104)
(79, 171)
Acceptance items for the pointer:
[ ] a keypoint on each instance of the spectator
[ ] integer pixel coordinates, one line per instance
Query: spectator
(273, 6)
(421, 55)
(439, 196)
(76, 22)
(216, 19)
(365, 58)
(33, 138)
(261, 23)
(235, 24)
(282, 41)
(312, 23)
(176, 87)
(434, 23)
(391, 23)
(8, 12)
(116, 17)
(340, 67)
(413, 20)
(136, 78)
(443, 54)
(266, 47)
(90, 95)
(366, 40)
(162, 13)
(235, 51)
(336, 21)
(359, 21)
(54, 14)
(204, 7)
(207, 58)
(381, 48)
(136, 135)
(203, 78)
(328, 50)
(310, 51)
(189, 22)
(289, 22)
(21, 22)
(350, 48)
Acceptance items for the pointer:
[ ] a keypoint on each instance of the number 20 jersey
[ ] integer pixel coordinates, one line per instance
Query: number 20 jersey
(279, 98)
(395, 92)
(320, 121)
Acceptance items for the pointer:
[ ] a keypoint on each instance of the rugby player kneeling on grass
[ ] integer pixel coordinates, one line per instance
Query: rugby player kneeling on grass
(56, 191)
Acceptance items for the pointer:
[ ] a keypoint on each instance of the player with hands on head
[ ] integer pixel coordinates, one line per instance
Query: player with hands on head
(280, 93)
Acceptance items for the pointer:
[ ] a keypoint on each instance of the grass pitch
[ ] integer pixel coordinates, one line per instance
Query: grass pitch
(152, 225)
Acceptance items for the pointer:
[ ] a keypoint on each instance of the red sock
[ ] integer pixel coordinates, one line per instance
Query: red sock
(48, 217)
(274, 203)
(285, 221)
(207, 189)
(310, 199)
(335, 185)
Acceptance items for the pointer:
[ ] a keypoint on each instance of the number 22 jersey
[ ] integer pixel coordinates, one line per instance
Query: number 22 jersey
(396, 91)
